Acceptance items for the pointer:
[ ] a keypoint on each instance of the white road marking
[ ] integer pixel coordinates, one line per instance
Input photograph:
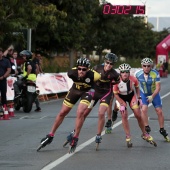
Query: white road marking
(23, 117)
(83, 145)
(43, 117)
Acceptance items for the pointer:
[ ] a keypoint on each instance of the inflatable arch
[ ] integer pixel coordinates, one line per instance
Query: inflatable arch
(162, 50)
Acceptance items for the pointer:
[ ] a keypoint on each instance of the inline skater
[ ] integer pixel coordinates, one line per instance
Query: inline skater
(103, 92)
(149, 81)
(83, 81)
(124, 93)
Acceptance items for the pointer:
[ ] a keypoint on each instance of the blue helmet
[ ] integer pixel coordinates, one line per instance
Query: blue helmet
(111, 57)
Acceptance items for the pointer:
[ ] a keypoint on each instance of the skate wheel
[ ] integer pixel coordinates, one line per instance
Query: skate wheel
(167, 139)
(65, 143)
(97, 146)
(153, 143)
(39, 147)
(72, 149)
(129, 144)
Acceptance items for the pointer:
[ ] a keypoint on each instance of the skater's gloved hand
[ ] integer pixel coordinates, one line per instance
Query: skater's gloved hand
(91, 92)
(122, 109)
(150, 99)
(140, 102)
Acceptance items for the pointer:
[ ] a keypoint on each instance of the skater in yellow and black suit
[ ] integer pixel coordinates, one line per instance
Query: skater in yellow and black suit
(83, 82)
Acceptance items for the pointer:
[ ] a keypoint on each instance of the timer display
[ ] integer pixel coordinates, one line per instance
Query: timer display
(109, 9)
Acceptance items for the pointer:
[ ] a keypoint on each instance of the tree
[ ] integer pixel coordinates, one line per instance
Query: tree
(16, 15)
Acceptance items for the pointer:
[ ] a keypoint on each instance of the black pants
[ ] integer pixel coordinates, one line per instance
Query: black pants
(3, 90)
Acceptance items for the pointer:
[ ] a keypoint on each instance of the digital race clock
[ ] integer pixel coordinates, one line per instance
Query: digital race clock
(109, 9)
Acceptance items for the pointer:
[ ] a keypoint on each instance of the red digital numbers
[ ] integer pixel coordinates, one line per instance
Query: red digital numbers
(109, 9)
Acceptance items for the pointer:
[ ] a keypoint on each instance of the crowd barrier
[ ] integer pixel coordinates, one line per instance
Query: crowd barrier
(49, 83)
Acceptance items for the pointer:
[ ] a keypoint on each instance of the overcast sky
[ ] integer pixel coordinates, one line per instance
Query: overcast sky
(156, 8)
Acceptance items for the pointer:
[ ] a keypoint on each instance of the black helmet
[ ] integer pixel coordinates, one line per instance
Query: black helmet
(83, 62)
(27, 53)
(111, 57)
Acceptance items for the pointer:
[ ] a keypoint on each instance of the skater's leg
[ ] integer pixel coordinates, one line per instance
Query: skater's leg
(115, 112)
(60, 117)
(125, 123)
(82, 113)
(160, 116)
(137, 114)
(144, 113)
(101, 118)
(109, 109)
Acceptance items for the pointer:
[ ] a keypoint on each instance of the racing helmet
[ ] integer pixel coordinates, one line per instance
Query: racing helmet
(124, 67)
(111, 57)
(146, 61)
(27, 53)
(83, 62)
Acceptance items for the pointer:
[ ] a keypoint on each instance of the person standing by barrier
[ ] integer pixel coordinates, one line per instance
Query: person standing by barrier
(165, 69)
(150, 85)
(5, 69)
(83, 81)
(36, 61)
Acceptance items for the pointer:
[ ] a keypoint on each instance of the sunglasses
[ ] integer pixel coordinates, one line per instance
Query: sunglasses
(83, 69)
(125, 71)
(146, 66)
(109, 63)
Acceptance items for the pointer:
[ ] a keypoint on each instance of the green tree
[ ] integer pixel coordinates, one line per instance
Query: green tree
(16, 15)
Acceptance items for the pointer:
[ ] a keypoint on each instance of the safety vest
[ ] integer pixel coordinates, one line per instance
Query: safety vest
(31, 76)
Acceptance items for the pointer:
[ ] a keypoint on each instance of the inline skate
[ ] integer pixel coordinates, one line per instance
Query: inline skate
(73, 144)
(98, 141)
(69, 138)
(114, 116)
(147, 129)
(108, 127)
(128, 141)
(45, 141)
(165, 134)
(149, 139)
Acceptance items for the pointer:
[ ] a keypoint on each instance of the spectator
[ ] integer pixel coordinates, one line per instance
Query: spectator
(15, 55)
(8, 54)
(5, 69)
(165, 69)
(37, 62)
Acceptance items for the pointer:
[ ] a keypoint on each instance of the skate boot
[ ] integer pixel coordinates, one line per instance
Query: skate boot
(108, 127)
(69, 138)
(147, 129)
(128, 141)
(149, 139)
(98, 140)
(45, 141)
(73, 144)
(114, 116)
(165, 134)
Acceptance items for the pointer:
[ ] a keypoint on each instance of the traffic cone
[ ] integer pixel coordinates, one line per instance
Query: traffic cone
(6, 115)
(11, 110)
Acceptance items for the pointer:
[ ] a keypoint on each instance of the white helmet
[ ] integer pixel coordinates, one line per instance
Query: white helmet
(146, 61)
(124, 66)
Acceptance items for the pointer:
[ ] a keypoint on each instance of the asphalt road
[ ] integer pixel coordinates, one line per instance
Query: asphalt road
(21, 135)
